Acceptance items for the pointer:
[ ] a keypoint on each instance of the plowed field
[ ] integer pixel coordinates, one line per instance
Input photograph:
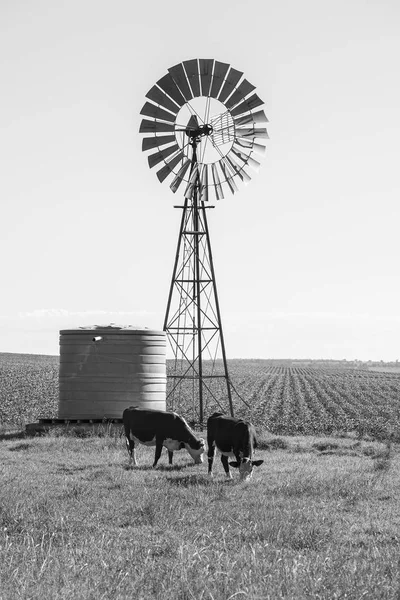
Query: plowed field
(284, 399)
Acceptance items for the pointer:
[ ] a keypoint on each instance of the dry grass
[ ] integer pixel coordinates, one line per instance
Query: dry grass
(77, 521)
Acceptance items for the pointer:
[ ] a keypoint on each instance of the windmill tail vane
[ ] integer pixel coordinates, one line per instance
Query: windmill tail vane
(204, 130)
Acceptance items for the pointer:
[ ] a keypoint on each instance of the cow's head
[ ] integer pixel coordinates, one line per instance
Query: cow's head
(196, 450)
(245, 467)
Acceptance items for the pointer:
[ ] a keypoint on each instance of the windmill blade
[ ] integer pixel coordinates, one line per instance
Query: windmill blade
(228, 176)
(242, 91)
(206, 67)
(257, 117)
(239, 170)
(204, 184)
(159, 97)
(204, 194)
(226, 168)
(167, 168)
(250, 132)
(230, 84)
(232, 185)
(220, 70)
(179, 176)
(251, 145)
(154, 127)
(253, 163)
(246, 176)
(247, 105)
(246, 158)
(150, 110)
(192, 72)
(179, 76)
(244, 143)
(243, 157)
(193, 181)
(157, 141)
(156, 158)
(259, 148)
(169, 86)
(217, 182)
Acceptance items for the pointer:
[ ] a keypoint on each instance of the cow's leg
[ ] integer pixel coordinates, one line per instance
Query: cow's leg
(225, 463)
(159, 447)
(130, 444)
(170, 456)
(210, 454)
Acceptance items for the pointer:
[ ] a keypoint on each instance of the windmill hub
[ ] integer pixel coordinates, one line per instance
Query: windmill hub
(199, 132)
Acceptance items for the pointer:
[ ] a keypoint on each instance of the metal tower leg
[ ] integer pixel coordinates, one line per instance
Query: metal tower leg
(228, 386)
(193, 318)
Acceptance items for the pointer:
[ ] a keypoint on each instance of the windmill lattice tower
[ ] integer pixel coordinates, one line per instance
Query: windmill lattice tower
(202, 123)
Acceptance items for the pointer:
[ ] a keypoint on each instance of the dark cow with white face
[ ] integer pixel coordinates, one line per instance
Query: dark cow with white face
(233, 438)
(158, 428)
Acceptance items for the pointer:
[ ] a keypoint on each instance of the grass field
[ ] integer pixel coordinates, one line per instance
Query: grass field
(319, 519)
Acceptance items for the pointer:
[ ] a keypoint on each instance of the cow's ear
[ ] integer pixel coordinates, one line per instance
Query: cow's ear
(257, 463)
(234, 463)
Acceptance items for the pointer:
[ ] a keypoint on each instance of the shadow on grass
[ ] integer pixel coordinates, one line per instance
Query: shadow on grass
(165, 468)
(13, 435)
(189, 480)
(20, 447)
(75, 469)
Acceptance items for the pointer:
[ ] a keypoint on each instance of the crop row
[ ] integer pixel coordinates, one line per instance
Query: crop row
(306, 400)
(318, 401)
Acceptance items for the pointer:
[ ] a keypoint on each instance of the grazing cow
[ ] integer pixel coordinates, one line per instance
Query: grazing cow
(233, 438)
(158, 428)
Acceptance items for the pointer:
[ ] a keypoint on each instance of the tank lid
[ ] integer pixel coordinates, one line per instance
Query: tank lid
(112, 327)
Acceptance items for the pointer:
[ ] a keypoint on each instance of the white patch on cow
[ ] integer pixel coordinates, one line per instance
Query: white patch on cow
(137, 441)
(245, 469)
(171, 445)
(197, 455)
(132, 455)
(228, 454)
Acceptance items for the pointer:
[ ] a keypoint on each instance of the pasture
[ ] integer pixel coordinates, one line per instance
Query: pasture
(319, 519)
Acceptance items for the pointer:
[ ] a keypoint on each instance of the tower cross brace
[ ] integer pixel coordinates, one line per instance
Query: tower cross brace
(193, 318)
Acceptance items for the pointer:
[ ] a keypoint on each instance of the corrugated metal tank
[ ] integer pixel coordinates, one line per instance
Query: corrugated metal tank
(104, 369)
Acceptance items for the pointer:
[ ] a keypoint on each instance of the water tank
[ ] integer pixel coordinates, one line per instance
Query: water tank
(104, 369)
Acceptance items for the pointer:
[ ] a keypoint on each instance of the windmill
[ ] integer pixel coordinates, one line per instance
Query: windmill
(201, 122)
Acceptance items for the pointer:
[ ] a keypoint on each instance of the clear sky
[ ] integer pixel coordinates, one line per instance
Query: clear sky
(306, 256)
